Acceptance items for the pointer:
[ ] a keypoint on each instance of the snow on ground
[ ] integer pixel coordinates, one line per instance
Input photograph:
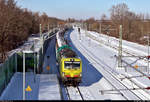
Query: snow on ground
(92, 79)
(140, 49)
(28, 45)
(46, 87)
(91, 74)
(59, 39)
(133, 47)
(49, 87)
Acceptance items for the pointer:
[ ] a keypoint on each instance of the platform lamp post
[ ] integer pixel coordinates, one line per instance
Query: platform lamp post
(34, 60)
(24, 67)
(34, 66)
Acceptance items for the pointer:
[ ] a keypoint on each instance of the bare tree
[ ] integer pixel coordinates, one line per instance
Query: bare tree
(16, 25)
(103, 17)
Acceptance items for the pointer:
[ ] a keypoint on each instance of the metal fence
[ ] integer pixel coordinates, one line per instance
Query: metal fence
(14, 64)
(7, 69)
(30, 61)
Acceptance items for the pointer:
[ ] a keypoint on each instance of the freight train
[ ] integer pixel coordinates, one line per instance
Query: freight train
(70, 65)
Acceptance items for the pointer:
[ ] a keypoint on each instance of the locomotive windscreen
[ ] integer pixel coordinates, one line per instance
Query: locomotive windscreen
(71, 65)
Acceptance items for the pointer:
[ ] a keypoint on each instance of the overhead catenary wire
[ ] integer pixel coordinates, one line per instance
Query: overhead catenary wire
(138, 88)
(108, 72)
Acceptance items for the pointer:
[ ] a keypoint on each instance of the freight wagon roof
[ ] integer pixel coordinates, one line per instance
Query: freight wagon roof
(60, 40)
(68, 53)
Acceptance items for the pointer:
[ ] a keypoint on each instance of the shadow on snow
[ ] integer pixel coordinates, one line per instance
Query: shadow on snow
(90, 74)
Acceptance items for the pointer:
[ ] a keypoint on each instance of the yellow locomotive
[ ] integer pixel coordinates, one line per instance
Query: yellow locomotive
(70, 65)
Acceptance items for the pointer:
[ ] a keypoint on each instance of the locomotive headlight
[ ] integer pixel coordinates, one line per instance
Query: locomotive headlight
(63, 73)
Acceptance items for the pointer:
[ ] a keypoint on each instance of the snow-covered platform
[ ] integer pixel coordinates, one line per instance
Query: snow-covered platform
(45, 87)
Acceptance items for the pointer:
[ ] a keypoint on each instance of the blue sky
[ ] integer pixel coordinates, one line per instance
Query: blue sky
(81, 9)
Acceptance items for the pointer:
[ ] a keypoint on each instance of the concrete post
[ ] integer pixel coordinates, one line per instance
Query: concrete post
(120, 48)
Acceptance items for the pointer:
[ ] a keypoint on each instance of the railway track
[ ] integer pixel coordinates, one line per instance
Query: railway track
(73, 93)
(127, 93)
(115, 47)
(124, 51)
(108, 69)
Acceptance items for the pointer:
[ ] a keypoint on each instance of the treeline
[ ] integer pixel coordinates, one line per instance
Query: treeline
(17, 24)
(136, 27)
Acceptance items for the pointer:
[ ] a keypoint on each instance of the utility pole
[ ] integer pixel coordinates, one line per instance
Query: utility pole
(120, 48)
(41, 36)
(85, 29)
(108, 36)
(100, 28)
(40, 30)
(48, 28)
(148, 53)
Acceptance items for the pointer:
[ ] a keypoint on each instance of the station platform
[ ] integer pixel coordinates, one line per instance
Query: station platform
(44, 87)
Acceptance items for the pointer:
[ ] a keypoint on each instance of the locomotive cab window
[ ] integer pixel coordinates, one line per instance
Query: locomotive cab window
(71, 65)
